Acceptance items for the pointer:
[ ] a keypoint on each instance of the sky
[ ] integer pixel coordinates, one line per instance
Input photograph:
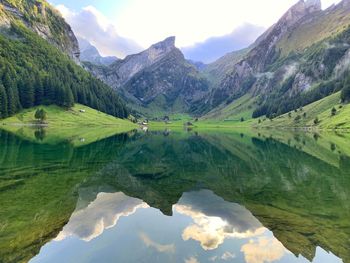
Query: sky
(122, 27)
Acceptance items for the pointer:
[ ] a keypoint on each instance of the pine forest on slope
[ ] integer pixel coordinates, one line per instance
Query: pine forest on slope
(34, 71)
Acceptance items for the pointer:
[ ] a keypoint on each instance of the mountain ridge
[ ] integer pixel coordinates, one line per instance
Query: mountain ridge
(155, 80)
(272, 69)
(44, 20)
(39, 59)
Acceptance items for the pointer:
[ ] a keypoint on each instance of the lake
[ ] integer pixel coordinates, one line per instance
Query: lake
(175, 196)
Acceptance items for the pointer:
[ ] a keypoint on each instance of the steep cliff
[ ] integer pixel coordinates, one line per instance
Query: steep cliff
(38, 63)
(300, 59)
(43, 19)
(158, 79)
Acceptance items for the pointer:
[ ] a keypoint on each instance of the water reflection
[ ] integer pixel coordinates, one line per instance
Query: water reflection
(203, 228)
(102, 214)
(215, 220)
(183, 197)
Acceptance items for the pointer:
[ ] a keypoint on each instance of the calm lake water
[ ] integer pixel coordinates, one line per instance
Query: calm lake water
(176, 197)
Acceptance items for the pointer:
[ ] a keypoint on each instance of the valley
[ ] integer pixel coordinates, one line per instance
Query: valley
(243, 88)
(112, 154)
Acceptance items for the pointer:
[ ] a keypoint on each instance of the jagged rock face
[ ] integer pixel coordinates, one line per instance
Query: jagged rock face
(265, 53)
(171, 83)
(135, 63)
(44, 20)
(160, 76)
(262, 69)
(122, 71)
(89, 53)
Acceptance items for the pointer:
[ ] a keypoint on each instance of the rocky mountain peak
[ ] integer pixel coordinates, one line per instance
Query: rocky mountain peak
(265, 50)
(315, 5)
(161, 48)
(122, 71)
(166, 44)
(301, 9)
(345, 3)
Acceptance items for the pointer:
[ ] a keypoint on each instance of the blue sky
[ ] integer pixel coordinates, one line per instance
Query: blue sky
(122, 27)
(108, 7)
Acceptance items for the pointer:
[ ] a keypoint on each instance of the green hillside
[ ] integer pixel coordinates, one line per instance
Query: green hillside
(318, 27)
(315, 115)
(33, 71)
(61, 117)
(79, 125)
(240, 108)
(301, 59)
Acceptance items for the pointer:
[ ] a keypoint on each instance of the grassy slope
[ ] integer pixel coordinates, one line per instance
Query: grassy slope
(316, 29)
(325, 146)
(58, 117)
(320, 109)
(67, 125)
(228, 116)
(241, 108)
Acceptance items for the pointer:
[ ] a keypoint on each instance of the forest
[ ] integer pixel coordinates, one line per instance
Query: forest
(33, 72)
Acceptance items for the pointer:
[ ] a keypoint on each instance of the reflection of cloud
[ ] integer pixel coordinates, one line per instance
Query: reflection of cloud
(228, 255)
(191, 260)
(263, 250)
(159, 247)
(215, 219)
(103, 213)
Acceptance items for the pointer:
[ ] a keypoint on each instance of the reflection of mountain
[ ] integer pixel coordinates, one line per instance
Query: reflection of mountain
(302, 199)
(38, 189)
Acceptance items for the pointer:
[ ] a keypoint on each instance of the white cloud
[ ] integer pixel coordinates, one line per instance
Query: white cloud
(191, 21)
(92, 25)
(195, 21)
(159, 247)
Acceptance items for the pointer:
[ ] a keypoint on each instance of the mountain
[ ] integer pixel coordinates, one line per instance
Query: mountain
(300, 59)
(198, 64)
(38, 57)
(41, 18)
(89, 53)
(218, 70)
(156, 80)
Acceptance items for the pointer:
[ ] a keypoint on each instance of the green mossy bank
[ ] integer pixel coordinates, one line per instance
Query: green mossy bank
(80, 125)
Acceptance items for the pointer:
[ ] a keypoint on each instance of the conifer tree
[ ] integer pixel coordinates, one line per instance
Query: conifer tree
(3, 102)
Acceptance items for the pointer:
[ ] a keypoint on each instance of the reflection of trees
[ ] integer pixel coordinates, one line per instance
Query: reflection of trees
(38, 188)
(301, 198)
(40, 134)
